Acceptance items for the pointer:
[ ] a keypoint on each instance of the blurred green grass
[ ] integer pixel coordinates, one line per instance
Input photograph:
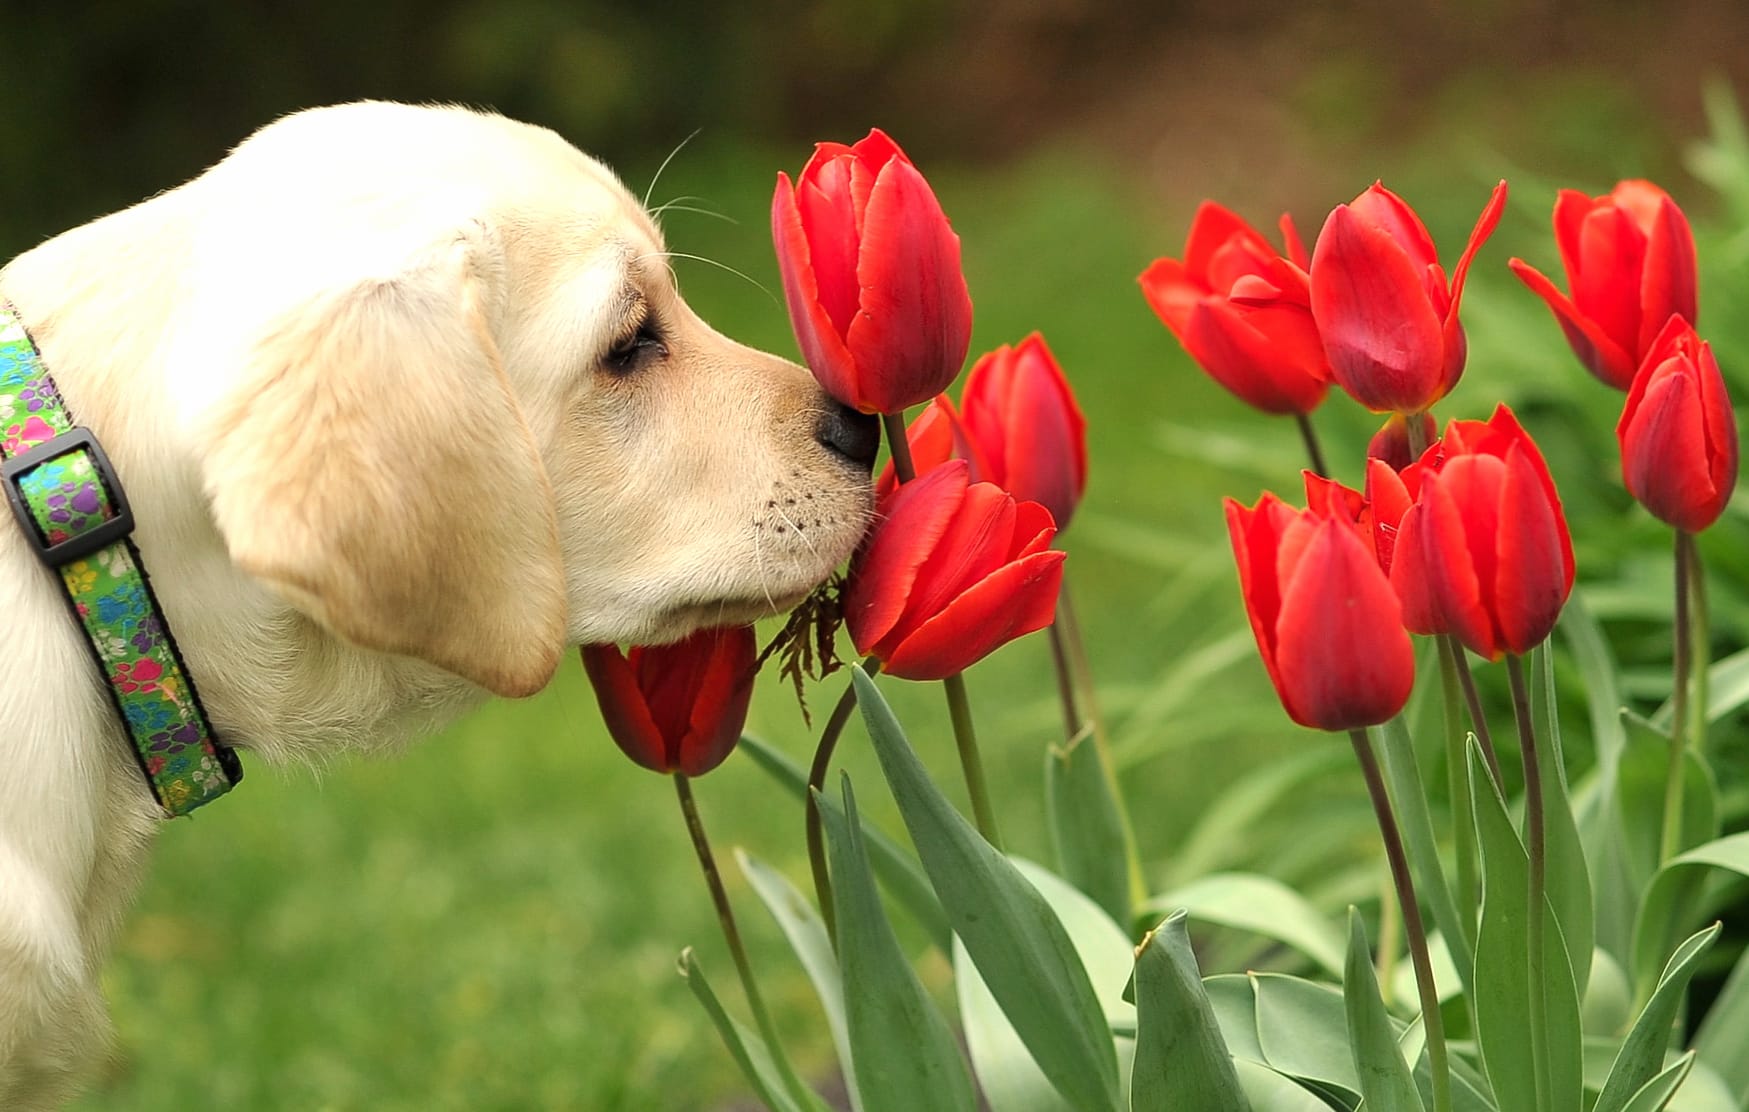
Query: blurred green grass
(490, 919)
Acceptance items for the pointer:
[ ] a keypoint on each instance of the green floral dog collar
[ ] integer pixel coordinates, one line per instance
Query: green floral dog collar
(75, 514)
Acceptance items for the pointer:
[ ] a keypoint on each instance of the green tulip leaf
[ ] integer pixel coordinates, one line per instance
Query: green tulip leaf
(748, 1050)
(1089, 832)
(1642, 1053)
(1656, 1093)
(1409, 799)
(1385, 1082)
(1503, 980)
(1727, 689)
(1181, 1059)
(1269, 1091)
(898, 870)
(1261, 905)
(904, 1055)
(1006, 1073)
(1568, 878)
(1609, 997)
(1722, 1040)
(1673, 890)
(1020, 947)
(1302, 1029)
(801, 925)
(1234, 1004)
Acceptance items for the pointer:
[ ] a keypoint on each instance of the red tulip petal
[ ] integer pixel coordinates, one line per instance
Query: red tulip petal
(1345, 660)
(1020, 411)
(1294, 247)
(1571, 209)
(1012, 601)
(1215, 228)
(1034, 529)
(1667, 284)
(1409, 574)
(1535, 570)
(1265, 357)
(1460, 524)
(829, 216)
(1601, 355)
(1612, 252)
(1383, 210)
(1485, 225)
(877, 148)
(978, 540)
(1663, 459)
(1172, 293)
(719, 705)
(1385, 345)
(1254, 534)
(882, 576)
(623, 707)
(987, 417)
(822, 346)
(915, 324)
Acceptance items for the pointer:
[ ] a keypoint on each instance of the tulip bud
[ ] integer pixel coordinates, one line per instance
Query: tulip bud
(1387, 317)
(871, 275)
(1391, 442)
(1629, 257)
(1243, 312)
(1678, 434)
(953, 571)
(678, 707)
(1486, 539)
(1327, 623)
(1030, 437)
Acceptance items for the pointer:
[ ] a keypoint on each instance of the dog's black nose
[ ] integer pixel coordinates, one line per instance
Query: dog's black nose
(852, 434)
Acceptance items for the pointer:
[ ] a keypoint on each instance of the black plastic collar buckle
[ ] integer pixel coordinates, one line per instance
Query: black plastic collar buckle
(79, 438)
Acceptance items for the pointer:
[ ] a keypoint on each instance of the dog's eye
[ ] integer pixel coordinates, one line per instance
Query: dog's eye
(635, 350)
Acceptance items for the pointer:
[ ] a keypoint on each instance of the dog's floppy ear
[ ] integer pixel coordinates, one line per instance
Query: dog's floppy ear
(375, 469)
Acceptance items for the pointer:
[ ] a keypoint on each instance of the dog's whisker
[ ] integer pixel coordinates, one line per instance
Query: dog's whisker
(678, 205)
(678, 147)
(807, 540)
(759, 570)
(741, 274)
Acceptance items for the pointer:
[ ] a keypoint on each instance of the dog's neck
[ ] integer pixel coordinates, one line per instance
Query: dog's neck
(273, 681)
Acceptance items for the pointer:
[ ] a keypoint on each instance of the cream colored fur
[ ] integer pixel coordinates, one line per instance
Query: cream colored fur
(356, 380)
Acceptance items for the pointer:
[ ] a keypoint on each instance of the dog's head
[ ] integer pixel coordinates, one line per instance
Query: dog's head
(475, 421)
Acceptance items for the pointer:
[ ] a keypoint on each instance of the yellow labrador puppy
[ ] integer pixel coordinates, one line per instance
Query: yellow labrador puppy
(406, 402)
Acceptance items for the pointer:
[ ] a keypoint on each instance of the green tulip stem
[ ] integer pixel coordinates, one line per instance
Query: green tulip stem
(1701, 649)
(1413, 929)
(1457, 773)
(713, 879)
(1415, 434)
(899, 446)
(1065, 683)
(959, 708)
(1682, 681)
(1536, 845)
(817, 783)
(1314, 452)
(1478, 714)
(1093, 723)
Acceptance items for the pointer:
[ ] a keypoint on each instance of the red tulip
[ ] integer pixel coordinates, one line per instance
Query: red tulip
(1629, 257)
(954, 570)
(679, 707)
(1243, 312)
(1387, 317)
(1030, 437)
(1678, 434)
(1486, 540)
(1327, 623)
(871, 273)
(1393, 517)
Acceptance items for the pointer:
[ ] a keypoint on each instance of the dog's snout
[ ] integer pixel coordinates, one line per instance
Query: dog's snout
(852, 434)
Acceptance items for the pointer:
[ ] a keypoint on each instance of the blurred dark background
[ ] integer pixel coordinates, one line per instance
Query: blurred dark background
(109, 100)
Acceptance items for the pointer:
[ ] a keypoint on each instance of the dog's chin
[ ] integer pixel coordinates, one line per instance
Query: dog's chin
(721, 613)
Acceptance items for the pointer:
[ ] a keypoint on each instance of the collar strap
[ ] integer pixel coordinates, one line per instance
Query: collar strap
(75, 515)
